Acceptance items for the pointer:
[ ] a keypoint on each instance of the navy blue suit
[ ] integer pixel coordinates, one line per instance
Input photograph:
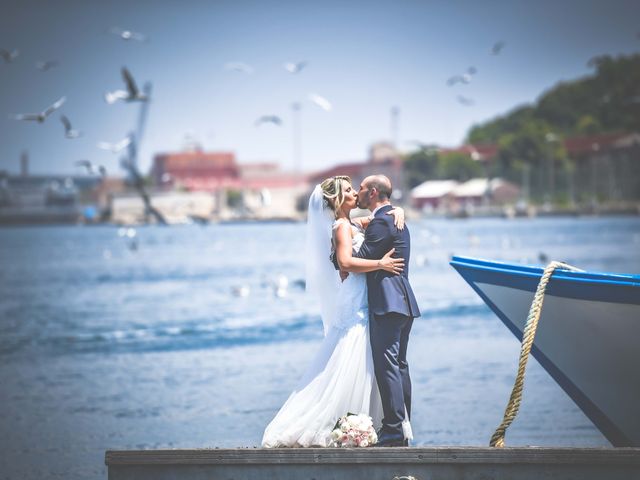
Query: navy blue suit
(392, 308)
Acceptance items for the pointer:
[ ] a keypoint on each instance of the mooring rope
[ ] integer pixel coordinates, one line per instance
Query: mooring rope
(528, 335)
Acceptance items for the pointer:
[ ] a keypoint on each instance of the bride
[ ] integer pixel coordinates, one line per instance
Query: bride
(340, 378)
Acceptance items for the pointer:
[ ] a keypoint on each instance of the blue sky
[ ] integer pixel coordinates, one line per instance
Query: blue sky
(365, 57)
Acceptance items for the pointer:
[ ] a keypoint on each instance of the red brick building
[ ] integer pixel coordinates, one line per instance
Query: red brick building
(196, 170)
(252, 190)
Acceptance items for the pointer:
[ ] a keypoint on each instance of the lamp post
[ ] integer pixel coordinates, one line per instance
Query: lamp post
(572, 189)
(551, 138)
(395, 114)
(595, 148)
(297, 142)
(526, 181)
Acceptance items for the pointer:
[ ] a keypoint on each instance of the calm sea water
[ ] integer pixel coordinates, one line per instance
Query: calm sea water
(109, 345)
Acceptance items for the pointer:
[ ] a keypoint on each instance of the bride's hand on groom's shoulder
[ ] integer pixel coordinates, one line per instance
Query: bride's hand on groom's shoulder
(398, 217)
(390, 264)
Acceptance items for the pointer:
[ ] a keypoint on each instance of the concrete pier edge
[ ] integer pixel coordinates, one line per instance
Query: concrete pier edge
(413, 463)
(410, 455)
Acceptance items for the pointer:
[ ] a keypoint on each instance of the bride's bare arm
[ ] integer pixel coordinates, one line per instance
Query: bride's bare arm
(348, 263)
(398, 218)
(361, 221)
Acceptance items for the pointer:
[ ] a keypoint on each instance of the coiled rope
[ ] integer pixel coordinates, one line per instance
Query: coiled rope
(528, 335)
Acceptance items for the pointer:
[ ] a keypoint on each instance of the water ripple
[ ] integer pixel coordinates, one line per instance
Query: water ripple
(168, 337)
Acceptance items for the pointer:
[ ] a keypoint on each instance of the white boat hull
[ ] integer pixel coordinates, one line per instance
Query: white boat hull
(586, 338)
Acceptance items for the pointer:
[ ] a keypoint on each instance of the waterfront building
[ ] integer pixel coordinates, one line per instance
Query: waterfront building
(29, 198)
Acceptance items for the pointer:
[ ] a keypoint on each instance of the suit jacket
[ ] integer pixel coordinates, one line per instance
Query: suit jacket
(388, 292)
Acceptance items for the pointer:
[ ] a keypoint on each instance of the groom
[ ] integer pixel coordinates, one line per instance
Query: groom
(392, 308)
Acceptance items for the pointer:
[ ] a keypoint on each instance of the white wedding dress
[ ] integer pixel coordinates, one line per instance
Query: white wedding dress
(340, 378)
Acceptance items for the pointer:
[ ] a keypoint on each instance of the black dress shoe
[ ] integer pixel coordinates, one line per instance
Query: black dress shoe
(391, 440)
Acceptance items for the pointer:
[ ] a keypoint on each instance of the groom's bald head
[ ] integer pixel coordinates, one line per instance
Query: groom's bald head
(374, 190)
(381, 184)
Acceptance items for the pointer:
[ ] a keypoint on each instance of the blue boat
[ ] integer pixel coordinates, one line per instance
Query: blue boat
(587, 337)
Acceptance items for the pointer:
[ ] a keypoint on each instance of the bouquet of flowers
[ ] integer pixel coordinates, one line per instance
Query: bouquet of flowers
(353, 430)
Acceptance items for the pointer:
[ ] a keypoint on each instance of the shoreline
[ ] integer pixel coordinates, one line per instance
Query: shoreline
(411, 215)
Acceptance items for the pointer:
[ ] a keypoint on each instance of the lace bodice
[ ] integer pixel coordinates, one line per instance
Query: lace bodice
(352, 294)
(357, 234)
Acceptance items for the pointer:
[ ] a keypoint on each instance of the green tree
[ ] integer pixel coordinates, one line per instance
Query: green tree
(606, 101)
(459, 166)
(588, 125)
(234, 198)
(528, 137)
(533, 154)
(491, 131)
(420, 166)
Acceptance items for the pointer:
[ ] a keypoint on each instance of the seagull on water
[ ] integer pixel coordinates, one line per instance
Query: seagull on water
(269, 119)
(240, 290)
(92, 168)
(115, 147)
(131, 94)
(69, 132)
(40, 117)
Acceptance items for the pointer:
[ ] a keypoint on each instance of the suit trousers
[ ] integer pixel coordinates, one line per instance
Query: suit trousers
(389, 337)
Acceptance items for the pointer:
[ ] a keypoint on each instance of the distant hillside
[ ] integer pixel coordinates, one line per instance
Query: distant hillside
(607, 101)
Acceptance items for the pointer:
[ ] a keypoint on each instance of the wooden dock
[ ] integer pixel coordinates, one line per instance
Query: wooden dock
(443, 463)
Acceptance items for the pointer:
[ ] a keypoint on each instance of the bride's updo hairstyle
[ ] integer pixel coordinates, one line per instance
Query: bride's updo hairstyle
(333, 191)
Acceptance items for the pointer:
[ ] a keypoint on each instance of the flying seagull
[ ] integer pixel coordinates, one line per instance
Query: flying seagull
(43, 66)
(115, 147)
(128, 34)
(69, 132)
(322, 102)
(131, 94)
(9, 56)
(464, 78)
(239, 67)
(294, 67)
(497, 47)
(595, 62)
(92, 168)
(467, 102)
(268, 119)
(40, 117)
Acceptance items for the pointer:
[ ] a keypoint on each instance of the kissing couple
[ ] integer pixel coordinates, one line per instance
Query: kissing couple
(358, 271)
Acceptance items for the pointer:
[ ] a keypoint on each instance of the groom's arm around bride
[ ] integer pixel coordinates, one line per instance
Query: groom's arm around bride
(387, 292)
